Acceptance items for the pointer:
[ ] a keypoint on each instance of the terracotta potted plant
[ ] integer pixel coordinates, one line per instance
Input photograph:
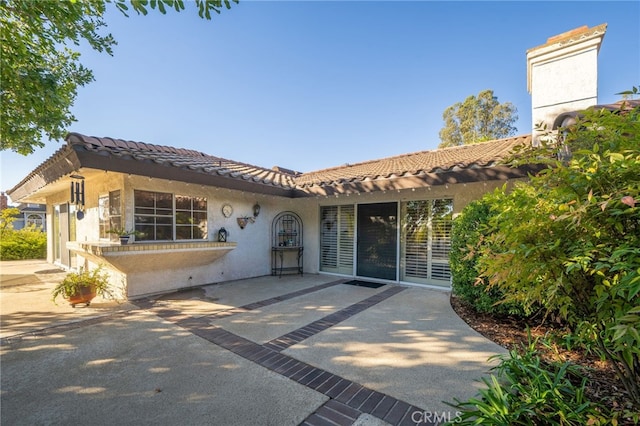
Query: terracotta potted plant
(82, 286)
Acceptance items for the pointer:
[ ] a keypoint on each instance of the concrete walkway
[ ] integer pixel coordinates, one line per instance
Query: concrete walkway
(267, 351)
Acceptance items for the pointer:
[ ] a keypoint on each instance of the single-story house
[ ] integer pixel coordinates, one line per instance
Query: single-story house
(203, 219)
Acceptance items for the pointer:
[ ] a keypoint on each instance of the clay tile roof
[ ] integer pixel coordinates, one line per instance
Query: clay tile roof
(454, 159)
(437, 166)
(479, 155)
(179, 158)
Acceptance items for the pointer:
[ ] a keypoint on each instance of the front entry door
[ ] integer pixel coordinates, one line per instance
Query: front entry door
(377, 240)
(61, 254)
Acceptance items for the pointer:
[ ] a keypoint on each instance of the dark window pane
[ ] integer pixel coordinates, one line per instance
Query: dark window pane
(164, 201)
(183, 218)
(183, 203)
(442, 209)
(200, 232)
(183, 232)
(164, 220)
(142, 210)
(144, 219)
(200, 204)
(145, 233)
(164, 232)
(199, 217)
(143, 199)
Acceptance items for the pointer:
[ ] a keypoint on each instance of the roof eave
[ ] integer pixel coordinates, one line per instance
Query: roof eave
(484, 174)
(111, 163)
(32, 188)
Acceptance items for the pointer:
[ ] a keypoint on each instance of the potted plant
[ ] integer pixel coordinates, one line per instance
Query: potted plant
(83, 286)
(123, 233)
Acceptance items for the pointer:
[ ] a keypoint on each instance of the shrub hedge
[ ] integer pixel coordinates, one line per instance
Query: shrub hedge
(468, 234)
(27, 243)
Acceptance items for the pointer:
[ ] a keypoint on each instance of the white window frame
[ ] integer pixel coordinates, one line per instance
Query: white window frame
(170, 217)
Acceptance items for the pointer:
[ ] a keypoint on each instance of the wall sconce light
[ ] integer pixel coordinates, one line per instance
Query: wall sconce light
(222, 235)
(256, 210)
(77, 191)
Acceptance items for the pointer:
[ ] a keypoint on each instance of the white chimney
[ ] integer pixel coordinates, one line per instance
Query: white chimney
(562, 75)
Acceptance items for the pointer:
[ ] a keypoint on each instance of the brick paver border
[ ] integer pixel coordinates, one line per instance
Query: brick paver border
(347, 399)
(296, 336)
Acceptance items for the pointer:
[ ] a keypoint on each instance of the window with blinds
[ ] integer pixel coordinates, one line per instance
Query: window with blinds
(426, 241)
(336, 239)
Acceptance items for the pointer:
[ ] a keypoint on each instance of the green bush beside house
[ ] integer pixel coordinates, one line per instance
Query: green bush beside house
(568, 242)
(469, 233)
(26, 243)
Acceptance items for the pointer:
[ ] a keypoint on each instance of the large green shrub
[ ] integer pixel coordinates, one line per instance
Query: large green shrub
(469, 233)
(27, 243)
(570, 239)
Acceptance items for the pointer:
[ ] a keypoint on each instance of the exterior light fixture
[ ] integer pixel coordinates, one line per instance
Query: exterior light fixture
(222, 235)
(256, 210)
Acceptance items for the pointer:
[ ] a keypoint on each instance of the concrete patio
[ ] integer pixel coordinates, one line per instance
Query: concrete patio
(270, 351)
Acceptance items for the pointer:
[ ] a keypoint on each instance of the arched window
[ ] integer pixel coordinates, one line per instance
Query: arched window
(35, 219)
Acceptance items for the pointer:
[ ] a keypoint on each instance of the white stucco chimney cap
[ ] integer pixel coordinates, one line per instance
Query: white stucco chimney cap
(567, 43)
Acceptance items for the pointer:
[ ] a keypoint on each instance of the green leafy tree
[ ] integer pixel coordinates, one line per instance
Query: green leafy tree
(7, 217)
(40, 70)
(569, 240)
(477, 119)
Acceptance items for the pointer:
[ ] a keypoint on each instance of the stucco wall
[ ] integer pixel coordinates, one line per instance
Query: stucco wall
(252, 255)
(462, 194)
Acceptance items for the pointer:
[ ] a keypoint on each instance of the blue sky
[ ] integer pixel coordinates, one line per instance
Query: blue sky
(309, 85)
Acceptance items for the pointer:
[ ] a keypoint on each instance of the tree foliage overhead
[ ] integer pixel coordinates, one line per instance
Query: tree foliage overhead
(41, 72)
(477, 119)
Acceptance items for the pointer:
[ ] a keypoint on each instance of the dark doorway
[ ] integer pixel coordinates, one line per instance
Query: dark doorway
(377, 240)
